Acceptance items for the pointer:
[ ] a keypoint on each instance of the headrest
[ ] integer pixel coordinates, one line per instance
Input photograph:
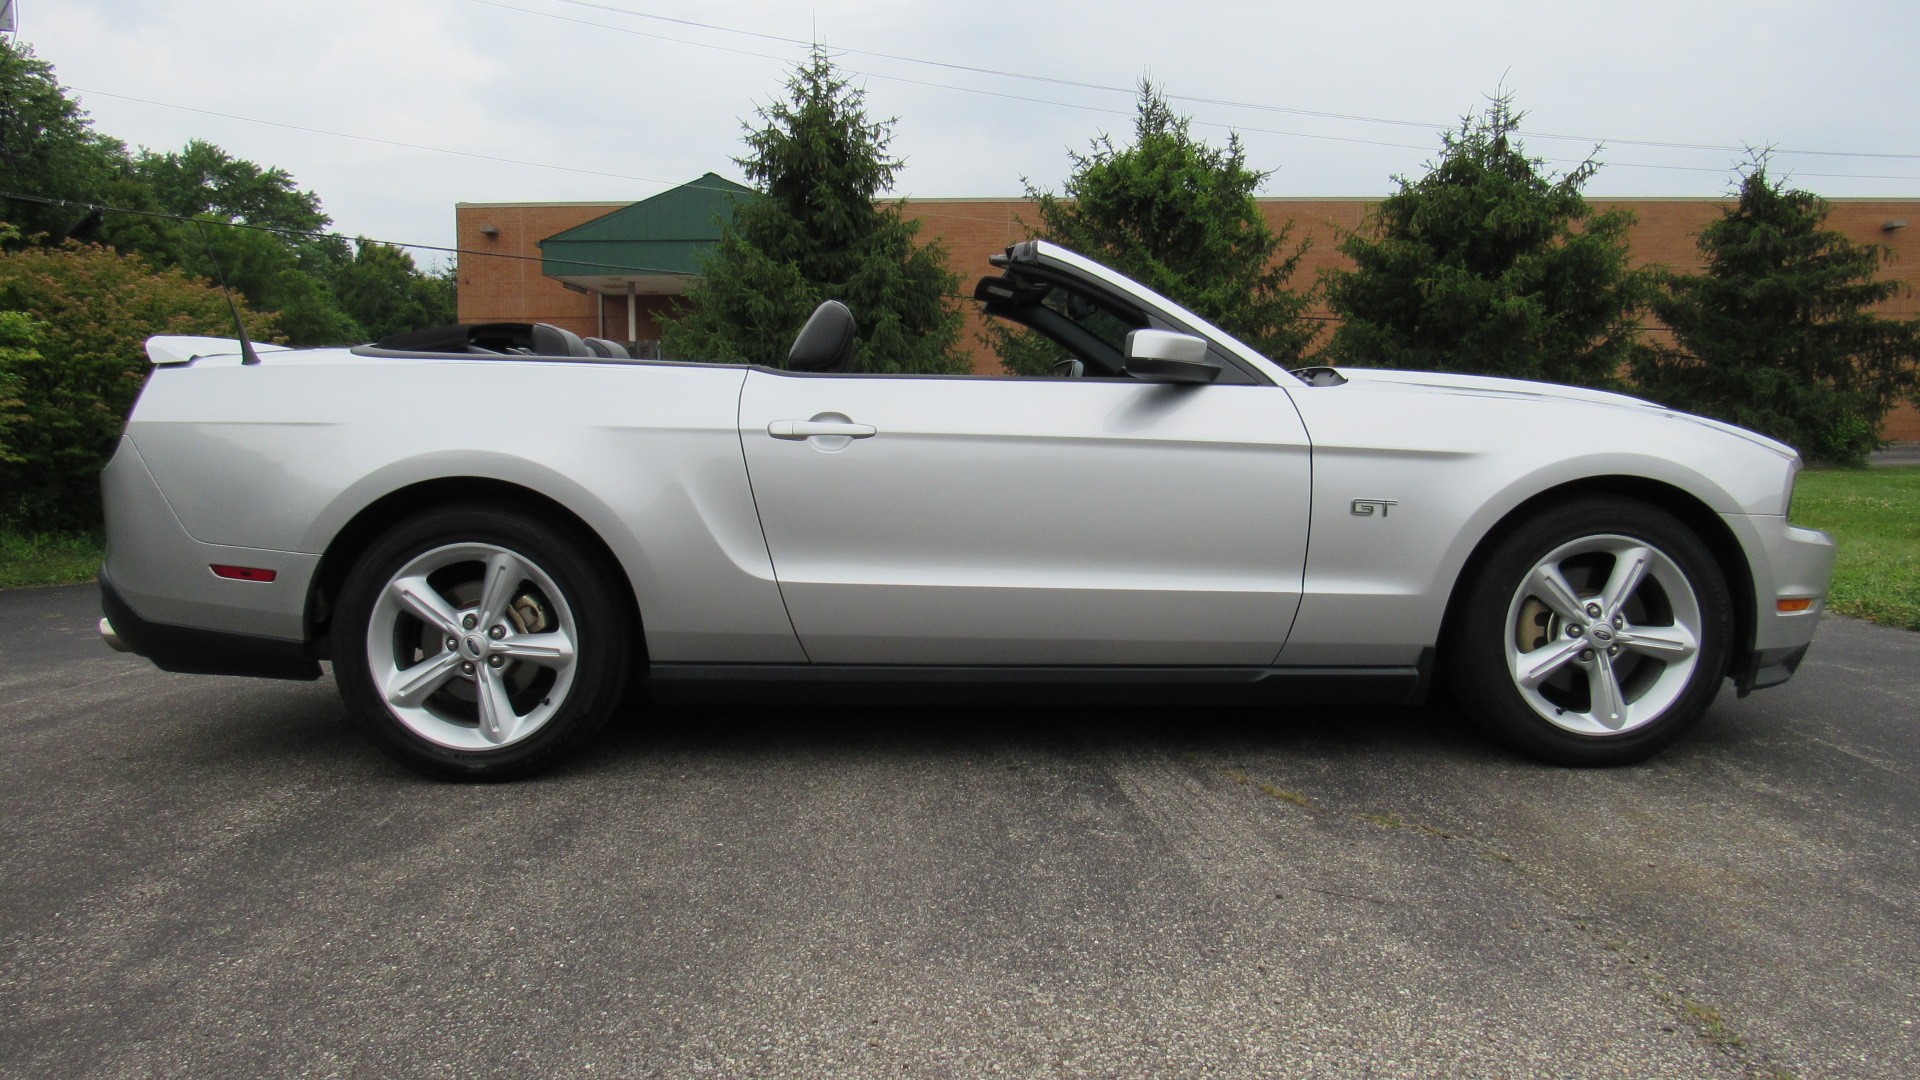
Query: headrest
(826, 342)
(549, 340)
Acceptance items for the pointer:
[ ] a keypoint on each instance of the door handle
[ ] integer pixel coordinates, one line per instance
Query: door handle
(807, 429)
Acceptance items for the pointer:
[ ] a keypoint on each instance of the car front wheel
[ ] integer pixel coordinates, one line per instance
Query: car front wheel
(1595, 633)
(479, 643)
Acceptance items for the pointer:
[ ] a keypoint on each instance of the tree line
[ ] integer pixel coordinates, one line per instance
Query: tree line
(81, 287)
(1486, 263)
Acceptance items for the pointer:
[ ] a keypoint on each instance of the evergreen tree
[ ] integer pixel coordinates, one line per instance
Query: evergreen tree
(1776, 335)
(385, 292)
(1489, 265)
(1180, 217)
(815, 233)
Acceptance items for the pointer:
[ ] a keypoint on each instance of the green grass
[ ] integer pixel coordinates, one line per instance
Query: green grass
(1874, 514)
(47, 558)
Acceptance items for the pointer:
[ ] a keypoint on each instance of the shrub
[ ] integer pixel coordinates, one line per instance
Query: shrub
(87, 311)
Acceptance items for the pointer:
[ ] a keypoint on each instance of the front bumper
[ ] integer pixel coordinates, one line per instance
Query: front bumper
(1768, 667)
(1787, 563)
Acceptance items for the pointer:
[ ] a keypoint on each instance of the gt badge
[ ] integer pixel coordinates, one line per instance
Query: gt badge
(1370, 507)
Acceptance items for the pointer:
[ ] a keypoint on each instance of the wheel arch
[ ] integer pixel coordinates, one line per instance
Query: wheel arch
(377, 517)
(1692, 512)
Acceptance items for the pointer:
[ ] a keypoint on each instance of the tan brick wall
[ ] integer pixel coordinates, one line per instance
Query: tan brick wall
(508, 290)
(1664, 234)
(514, 290)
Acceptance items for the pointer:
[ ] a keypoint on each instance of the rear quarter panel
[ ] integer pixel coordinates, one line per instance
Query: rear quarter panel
(283, 455)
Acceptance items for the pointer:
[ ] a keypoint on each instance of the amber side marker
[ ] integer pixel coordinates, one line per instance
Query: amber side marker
(1800, 603)
(244, 573)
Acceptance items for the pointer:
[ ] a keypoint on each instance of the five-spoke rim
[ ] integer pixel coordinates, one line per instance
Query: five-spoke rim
(472, 646)
(1603, 635)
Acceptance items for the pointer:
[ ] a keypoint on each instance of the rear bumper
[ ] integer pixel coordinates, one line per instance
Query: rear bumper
(194, 651)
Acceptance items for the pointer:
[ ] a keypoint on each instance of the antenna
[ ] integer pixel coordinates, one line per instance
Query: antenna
(247, 355)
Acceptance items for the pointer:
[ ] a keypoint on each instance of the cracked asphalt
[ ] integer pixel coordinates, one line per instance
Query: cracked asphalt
(216, 877)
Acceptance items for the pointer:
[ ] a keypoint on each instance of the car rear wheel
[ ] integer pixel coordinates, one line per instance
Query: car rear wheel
(1595, 633)
(479, 643)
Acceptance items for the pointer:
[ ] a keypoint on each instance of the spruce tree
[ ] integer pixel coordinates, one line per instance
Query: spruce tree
(1489, 265)
(815, 232)
(1776, 335)
(1179, 216)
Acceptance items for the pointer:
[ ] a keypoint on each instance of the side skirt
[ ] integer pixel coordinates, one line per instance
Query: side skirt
(1274, 685)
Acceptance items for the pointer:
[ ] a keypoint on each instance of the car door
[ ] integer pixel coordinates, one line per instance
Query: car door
(942, 520)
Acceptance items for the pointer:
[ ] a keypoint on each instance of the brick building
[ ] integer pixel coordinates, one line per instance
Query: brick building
(554, 278)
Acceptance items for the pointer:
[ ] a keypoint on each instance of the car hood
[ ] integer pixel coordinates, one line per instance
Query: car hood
(1487, 386)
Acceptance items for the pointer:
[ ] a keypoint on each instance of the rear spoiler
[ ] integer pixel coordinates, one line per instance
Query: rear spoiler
(165, 349)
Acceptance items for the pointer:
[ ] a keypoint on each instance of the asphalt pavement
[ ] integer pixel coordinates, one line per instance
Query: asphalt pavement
(216, 877)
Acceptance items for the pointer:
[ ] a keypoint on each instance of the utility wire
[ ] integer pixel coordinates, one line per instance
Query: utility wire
(925, 213)
(314, 234)
(1204, 123)
(327, 234)
(1128, 90)
(665, 184)
(446, 150)
(202, 222)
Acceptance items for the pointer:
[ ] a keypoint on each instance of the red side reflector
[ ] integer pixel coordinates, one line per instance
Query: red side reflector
(245, 573)
(1797, 604)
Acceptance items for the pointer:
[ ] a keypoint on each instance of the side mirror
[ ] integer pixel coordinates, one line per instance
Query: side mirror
(1162, 356)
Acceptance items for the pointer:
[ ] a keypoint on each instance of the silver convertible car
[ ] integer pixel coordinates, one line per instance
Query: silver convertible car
(494, 532)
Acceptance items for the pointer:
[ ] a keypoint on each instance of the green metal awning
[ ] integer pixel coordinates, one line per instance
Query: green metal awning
(653, 247)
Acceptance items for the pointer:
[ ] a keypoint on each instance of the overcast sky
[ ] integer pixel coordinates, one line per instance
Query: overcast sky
(636, 104)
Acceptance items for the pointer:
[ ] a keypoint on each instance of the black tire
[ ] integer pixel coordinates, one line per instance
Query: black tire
(560, 605)
(1497, 631)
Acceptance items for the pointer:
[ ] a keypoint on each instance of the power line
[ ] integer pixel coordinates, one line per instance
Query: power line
(315, 234)
(1128, 90)
(433, 149)
(665, 184)
(1126, 112)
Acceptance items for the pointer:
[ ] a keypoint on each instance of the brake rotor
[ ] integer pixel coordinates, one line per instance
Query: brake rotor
(1535, 627)
(524, 612)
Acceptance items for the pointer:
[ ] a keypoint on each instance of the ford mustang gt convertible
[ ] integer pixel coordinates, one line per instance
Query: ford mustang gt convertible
(493, 532)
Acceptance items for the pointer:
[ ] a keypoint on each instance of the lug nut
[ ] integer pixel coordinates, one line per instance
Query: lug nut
(496, 632)
(466, 668)
(1593, 610)
(1574, 630)
(1586, 656)
(496, 660)
(1619, 621)
(470, 621)
(453, 643)
(1613, 650)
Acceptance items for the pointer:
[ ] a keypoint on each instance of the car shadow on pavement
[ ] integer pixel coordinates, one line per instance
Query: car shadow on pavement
(272, 727)
(932, 727)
